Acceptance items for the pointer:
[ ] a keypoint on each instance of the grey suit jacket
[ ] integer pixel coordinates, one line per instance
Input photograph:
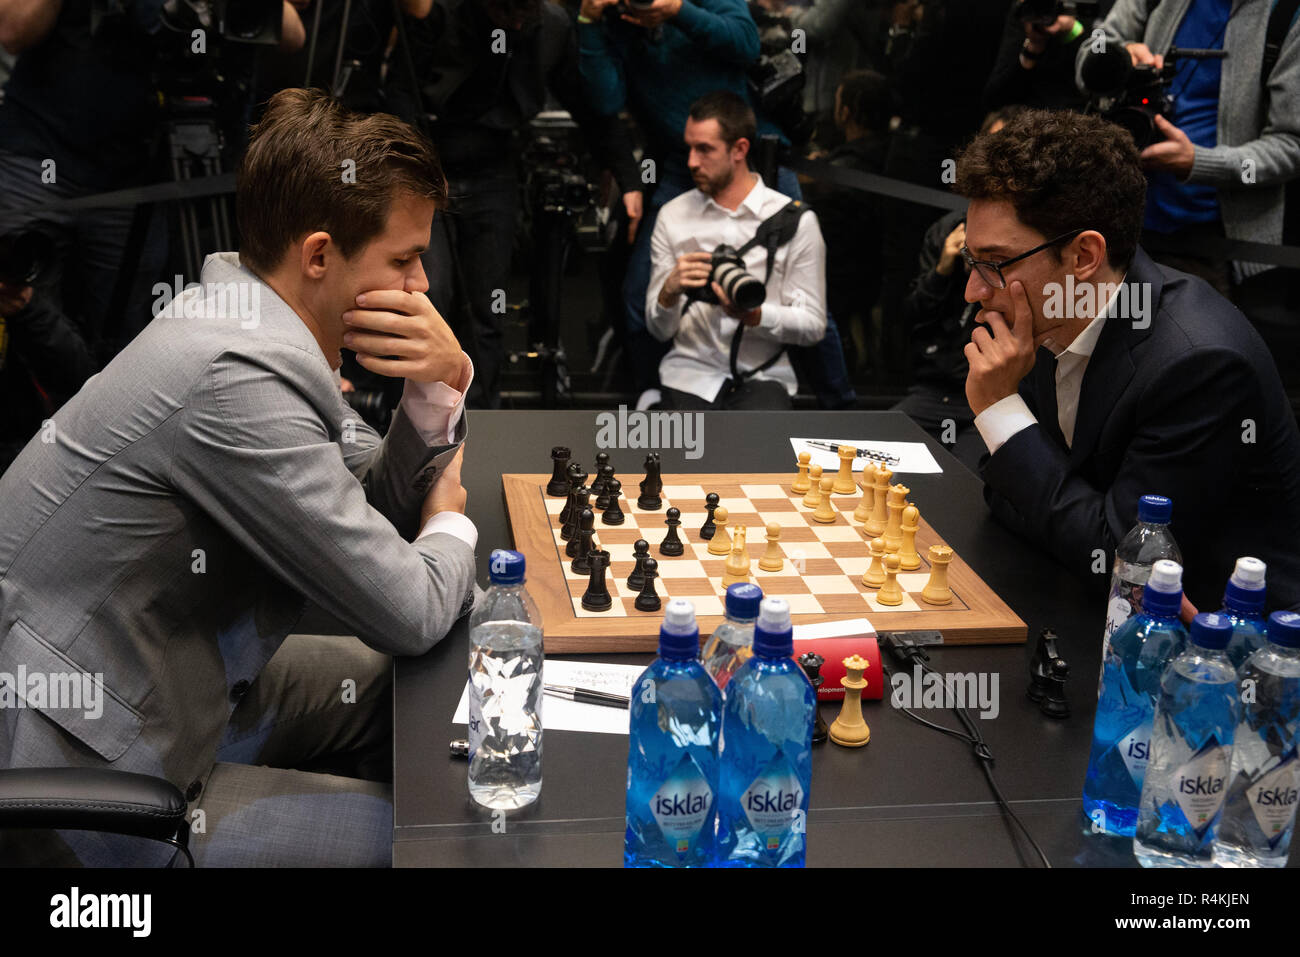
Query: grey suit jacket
(166, 527)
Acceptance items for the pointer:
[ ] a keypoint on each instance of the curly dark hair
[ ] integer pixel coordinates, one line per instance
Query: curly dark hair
(1061, 171)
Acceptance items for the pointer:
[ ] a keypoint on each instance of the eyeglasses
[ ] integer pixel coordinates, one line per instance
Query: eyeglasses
(991, 272)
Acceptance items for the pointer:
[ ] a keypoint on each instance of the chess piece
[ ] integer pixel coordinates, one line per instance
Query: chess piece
(559, 483)
(1054, 703)
(598, 483)
(875, 525)
(648, 600)
(736, 568)
(895, 502)
(651, 485)
(596, 597)
(600, 488)
(811, 663)
(844, 478)
(800, 483)
(936, 591)
(613, 514)
(640, 552)
(577, 476)
(576, 544)
(721, 543)
(814, 487)
(825, 513)
(672, 545)
(874, 576)
(707, 529)
(908, 559)
(849, 729)
(1040, 665)
(772, 560)
(868, 481)
(584, 543)
(577, 502)
(891, 593)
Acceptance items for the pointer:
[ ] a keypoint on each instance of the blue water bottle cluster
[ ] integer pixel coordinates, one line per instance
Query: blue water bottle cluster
(720, 778)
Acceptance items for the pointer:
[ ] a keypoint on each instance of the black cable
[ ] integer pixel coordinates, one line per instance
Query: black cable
(915, 655)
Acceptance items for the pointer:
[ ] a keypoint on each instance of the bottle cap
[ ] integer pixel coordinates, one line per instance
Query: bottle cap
(743, 600)
(1245, 589)
(506, 567)
(679, 636)
(1210, 630)
(1163, 595)
(1284, 628)
(1155, 509)
(773, 635)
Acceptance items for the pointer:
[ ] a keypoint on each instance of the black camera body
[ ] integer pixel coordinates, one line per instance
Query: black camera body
(24, 255)
(728, 270)
(1045, 11)
(1133, 96)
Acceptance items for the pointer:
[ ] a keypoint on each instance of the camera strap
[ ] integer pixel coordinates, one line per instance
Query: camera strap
(772, 233)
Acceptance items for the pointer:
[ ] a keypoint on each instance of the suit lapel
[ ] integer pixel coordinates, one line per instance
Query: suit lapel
(1043, 383)
(1111, 367)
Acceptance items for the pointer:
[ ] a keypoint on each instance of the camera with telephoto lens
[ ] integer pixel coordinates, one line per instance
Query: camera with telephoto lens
(1133, 96)
(1046, 11)
(728, 270)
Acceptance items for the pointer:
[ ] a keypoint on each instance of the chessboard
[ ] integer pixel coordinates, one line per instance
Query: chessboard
(820, 578)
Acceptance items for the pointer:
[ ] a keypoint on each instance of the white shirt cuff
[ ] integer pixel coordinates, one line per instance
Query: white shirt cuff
(435, 408)
(451, 523)
(1003, 419)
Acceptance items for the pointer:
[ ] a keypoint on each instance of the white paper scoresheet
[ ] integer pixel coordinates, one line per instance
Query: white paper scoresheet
(912, 456)
(559, 714)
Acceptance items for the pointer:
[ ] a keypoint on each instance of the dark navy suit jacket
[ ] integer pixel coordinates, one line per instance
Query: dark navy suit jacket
(1188, 405)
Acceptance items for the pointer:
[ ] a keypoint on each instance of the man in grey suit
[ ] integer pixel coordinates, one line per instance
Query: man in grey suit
(162, 534)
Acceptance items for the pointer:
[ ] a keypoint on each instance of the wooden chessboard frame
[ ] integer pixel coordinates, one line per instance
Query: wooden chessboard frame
(985, 619)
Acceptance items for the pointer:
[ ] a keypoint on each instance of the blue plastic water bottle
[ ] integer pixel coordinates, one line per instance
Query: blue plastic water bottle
(1243, 604)
(672, 759)
(1131, 669)
(767, 727)
(1191, 747)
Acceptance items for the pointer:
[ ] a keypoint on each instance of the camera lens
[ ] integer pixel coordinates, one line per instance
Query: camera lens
(741, 288)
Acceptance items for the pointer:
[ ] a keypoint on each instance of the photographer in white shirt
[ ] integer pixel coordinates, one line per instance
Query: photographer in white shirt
(726, 207)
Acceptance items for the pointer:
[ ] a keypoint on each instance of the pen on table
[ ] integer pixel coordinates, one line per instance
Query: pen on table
(862, 453)
(585, 696)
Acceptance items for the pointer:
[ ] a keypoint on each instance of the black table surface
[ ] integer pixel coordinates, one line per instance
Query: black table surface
(911, 797)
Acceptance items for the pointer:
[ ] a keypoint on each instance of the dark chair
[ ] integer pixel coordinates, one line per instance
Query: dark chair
(95, 799)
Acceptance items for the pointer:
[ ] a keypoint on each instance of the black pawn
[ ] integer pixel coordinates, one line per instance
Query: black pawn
(708, 528)
(600, 488)
(651, 485)
(640, 552)
(584, 543)
(602, 460)
(1054, 704)
(573, 549)
(613, 514)
(559, 483)
(576, 477)
(596, 597)
(672, 545)
(648, 600)
(811, 662)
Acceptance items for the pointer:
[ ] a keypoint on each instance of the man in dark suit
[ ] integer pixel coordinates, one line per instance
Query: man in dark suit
(1098, 376)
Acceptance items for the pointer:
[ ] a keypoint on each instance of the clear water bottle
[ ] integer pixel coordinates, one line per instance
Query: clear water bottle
(767, 727)
(505, 689)
(1243, 604)
(1264, 783)
(672, 756)
(1149, 541)
(1191, 751)
(729, 646)
(1131, 670)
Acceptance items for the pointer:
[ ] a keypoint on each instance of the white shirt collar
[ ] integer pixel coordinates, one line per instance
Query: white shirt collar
(1086, 341)
(753, 200)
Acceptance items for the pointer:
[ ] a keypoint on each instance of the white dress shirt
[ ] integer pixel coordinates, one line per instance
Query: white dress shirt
(794, 312)
(435, 409)
(1004, 418)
